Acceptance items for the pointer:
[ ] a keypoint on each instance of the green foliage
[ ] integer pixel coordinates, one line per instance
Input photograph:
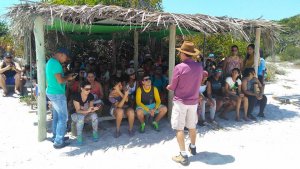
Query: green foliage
(289, 46)
(290, 53)
(141, 4)
(219, 44)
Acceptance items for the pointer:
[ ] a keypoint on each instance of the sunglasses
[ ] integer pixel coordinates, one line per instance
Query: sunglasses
(87, 89)
(219, 71)
(146, 79)
(82, 72)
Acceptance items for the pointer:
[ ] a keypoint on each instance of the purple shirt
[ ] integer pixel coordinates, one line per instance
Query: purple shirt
(186, 80)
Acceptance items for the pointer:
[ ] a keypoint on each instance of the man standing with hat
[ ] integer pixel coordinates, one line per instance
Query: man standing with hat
(186, 80)
(56, 92)
(10, 74)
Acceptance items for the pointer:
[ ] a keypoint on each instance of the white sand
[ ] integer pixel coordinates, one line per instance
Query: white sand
(270, 143)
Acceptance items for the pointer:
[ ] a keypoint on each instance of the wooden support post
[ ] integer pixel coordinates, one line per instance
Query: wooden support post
(40, 60)
(257, 46)
(26, 55)
(172, 43)
(136, 50)
(114, 51)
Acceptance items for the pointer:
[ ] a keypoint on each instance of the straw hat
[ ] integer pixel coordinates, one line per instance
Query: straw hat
(188, 48)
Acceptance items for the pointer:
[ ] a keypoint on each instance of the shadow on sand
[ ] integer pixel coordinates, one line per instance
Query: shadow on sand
(212, 158)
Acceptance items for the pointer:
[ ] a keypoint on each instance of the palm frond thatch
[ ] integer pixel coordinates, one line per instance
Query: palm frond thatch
(22, 18)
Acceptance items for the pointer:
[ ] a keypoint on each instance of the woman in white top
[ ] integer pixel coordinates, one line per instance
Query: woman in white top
(203, 101)
(131, 85)
(233, 91)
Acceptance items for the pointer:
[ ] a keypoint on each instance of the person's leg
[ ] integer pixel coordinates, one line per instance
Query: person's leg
(61, 108)
(251, 104)
(140, 115)
(17, 83)
(227, 107)
(54, 122)
(191, 121)
(3, 84)
(262, 105)
(238, 106)
(78, 118)
(203, 104)
(162, 111)
(119, 113)
(245, 103)
(180, 140)
(95, 122)
(212, 110)
(130, 116)
(219, 104)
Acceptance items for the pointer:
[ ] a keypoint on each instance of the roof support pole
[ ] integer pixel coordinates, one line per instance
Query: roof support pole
(114, 51)
(172, 43)
(136, 50)
(26, 47)
(40, 60)
(257, 46)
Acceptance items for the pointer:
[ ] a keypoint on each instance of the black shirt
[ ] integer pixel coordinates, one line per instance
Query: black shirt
(216, 86)
(77, 97)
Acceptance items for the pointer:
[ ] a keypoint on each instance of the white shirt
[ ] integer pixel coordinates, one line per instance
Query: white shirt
(231, 83)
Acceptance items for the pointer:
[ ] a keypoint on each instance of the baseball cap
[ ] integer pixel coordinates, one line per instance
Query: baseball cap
(92, 58)
(7, 55)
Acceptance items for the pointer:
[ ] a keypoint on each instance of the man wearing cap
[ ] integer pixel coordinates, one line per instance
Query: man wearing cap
(10, 74)
(186, 81)
(56, 92)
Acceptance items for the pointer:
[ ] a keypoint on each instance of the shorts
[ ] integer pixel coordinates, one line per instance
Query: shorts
(150, 106)
(261, 79)
(112, 110)
(10, 80)
(184, 116)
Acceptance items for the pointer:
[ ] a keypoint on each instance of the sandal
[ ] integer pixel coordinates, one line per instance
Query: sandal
(17, 92)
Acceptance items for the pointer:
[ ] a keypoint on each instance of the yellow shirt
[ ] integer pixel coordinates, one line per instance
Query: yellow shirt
(250, 62)
(139, 98)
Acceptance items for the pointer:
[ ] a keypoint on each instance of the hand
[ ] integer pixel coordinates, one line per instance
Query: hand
(258, 96)
(8, 67)
(168, 87)
(242, 95)
(90, 109)
(152, 111)
(95, 109)
(126, 93)
(233, 92)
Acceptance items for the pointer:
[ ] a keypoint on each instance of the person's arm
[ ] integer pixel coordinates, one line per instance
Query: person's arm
(17, 68)
(260, 86)
(225, 65)
(61, 79)
(138, 99)
(2, 70)
(122, 102)
(174, 82)
(208, 90)
(101, 91)
(78, 109)
(244, 89)
(157, 98)
(241, 65)
(227, 91)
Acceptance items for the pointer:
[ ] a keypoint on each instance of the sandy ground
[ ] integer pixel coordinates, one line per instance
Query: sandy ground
(268, 143)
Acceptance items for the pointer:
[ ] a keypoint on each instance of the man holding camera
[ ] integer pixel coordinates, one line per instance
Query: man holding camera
(10, 74)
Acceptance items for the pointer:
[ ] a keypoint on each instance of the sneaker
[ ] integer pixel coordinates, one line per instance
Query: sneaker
(95, 136)
(79, 140)
(262, 115)
(252, 117)
(184, 160)
(131, 133)
(142, 128)
(192, 150)
(117, 134)
(65, 139)
(59, 146)
(155, 126)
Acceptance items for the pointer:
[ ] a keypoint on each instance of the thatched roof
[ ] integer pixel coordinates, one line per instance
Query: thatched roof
(22, 17)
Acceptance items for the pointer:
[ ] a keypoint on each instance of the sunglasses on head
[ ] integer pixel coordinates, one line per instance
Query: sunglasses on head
(146, 79)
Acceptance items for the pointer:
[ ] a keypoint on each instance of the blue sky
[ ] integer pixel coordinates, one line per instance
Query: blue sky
(245, 9)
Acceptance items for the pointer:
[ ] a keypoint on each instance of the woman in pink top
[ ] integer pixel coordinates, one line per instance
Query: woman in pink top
(96, 89)
(233, 61)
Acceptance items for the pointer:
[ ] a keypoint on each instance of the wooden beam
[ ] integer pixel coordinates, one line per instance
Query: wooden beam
(40, 60)
(257, 46)
(136, 50)
(114, 51)
(172, 43)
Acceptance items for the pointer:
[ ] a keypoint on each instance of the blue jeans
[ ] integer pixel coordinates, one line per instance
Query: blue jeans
(60, 116)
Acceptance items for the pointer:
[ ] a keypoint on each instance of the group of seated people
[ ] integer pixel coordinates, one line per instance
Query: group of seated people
(130, 95)
(225, 88)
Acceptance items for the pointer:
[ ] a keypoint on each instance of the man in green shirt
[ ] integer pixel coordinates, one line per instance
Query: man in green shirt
(56, 92)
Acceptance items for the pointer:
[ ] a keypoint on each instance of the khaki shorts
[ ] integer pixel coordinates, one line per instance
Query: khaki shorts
(184, 116)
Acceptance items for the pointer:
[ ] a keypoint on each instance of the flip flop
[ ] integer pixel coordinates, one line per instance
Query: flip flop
(17, 92)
